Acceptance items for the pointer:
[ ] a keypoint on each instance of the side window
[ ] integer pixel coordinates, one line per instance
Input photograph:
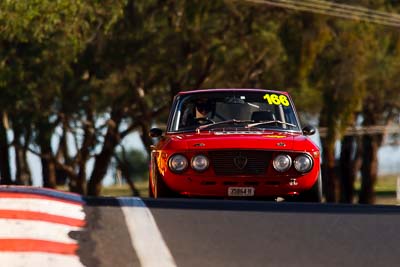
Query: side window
(289, 115)
(187, 111)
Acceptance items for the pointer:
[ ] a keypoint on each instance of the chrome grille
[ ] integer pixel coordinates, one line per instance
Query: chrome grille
(223, 162)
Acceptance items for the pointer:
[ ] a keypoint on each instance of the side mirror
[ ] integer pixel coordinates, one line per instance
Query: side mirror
(155, 132)
(309, 130)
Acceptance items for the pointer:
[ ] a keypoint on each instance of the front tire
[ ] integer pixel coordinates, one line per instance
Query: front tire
(314, 194)
(151, 195)
(161, 190)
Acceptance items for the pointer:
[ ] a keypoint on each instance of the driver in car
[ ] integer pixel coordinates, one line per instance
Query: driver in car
(203, 108)
(198, 115)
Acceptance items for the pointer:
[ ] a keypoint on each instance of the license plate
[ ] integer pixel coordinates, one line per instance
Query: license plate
(240, 191)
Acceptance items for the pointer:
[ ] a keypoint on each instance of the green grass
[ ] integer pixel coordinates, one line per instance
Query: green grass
(385, 189)
(124, 189)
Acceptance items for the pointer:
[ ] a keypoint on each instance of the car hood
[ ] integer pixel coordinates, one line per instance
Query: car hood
(237, 140)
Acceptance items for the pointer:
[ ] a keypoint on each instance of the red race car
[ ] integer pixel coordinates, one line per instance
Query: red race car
(235, 143)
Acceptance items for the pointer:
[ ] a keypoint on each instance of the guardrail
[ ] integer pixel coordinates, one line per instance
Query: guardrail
(363, 130)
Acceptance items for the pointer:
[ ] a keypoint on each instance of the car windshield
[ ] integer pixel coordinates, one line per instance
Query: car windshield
(243, 110)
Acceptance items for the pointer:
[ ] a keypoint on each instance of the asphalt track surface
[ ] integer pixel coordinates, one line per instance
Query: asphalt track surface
(247, 233)
(49, 228)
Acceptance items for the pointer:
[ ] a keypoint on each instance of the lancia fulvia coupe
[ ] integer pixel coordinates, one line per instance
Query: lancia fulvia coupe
(235, 143)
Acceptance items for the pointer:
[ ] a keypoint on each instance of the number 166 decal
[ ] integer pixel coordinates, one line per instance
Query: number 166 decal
(274, 99)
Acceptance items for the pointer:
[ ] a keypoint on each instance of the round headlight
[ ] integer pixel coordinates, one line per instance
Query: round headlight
(200, 163)
(282, 163)
(303, 163)
(177, 163)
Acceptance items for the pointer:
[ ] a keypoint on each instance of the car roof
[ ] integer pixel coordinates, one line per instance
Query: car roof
(230, 90)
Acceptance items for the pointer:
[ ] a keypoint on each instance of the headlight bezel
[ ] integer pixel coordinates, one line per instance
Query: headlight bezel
(173, 159)
(275, 163)
(196, 168)
(296, 163)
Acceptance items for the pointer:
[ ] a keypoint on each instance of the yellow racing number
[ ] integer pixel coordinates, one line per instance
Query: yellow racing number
(274, 99)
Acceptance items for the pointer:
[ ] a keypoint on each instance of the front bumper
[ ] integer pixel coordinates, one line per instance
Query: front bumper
(200, 186)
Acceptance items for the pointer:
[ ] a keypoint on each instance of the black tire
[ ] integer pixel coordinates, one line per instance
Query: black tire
(314, 194)
(151, 195)
(161, 190)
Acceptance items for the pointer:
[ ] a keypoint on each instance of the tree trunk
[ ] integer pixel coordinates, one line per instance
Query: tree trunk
(125, 170)
(330, 180)
(146, 139)
(370, 146)
(4, 153)
(369, 168)
(124, 167)
(23, 173)
(65, 167)
(49, 173)
(22, 131)
(76, 187)
(48, 165)
(349, 166)
(111, 140)
(84, 153)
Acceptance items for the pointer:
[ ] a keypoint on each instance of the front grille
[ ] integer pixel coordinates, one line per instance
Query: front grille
(240, 162)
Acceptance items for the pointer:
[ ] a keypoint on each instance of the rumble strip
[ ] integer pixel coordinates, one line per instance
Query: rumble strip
(35, 225)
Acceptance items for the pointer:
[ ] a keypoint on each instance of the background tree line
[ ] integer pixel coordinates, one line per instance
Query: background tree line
(85, 74)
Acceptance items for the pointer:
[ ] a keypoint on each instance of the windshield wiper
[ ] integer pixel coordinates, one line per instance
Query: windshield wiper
(269, 122)
(206, 126)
